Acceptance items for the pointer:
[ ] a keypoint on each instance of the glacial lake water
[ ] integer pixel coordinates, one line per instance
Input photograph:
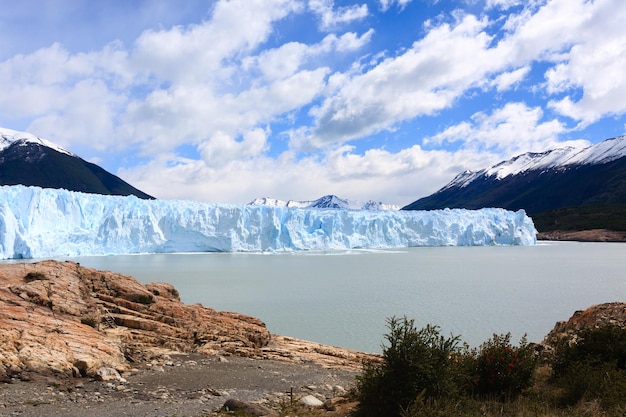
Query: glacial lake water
(345, 298)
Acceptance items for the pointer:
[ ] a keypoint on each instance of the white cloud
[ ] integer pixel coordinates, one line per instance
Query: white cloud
(87, 114)
(38, 83)
(594, 65)
(201, 53)
(503, 4)
(196, 80)
(191, 81)
(169, 118)
(545, 33)
(218, 87)
(221, 149)
(69, 97)
(285, 60)
(386, 4)
(508, 131)
(279, 62)
(506, 80)
(423, 80)
(330, 17)
(454, 58)
(398, 178)
(350, 41)
(230, 88)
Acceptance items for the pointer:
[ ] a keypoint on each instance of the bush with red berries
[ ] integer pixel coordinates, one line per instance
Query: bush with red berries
(500, 370)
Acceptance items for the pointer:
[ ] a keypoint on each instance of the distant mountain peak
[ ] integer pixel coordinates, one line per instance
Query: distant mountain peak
(327, 201)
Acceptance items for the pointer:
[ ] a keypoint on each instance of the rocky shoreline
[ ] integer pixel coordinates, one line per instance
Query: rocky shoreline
(76, 341)
(595, 235)
(73, 337)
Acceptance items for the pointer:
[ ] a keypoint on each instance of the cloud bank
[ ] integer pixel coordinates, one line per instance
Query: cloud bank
(295, 99)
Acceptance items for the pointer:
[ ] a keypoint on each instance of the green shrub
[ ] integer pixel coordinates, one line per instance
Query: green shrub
(503, 371)
(601, 345)
(593, 368)
(586, 382)
(415, 364)
(444, 407)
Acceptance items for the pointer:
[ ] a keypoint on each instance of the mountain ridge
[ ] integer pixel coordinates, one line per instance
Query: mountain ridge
(26, 159)
(544, 184)
(600, 153)
(327, 201)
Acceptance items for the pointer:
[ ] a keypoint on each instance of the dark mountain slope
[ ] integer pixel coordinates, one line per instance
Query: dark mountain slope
(563, 189)
(34, 164)
(536, 191)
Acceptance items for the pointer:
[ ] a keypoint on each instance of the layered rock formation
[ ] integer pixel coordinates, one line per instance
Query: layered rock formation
(63, 319)
(596, 316)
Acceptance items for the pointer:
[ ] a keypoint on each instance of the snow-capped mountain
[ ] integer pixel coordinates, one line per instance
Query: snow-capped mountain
(328, 201)
(9, 137)
(561, 158)
(541, 182)
(29, 160)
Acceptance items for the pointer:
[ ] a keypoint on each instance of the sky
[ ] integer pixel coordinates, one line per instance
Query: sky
(385, 100)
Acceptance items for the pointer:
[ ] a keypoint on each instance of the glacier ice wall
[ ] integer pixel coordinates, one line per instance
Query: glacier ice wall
(41, 223)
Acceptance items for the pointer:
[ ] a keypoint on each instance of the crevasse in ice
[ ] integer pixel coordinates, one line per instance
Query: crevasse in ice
(42, 223)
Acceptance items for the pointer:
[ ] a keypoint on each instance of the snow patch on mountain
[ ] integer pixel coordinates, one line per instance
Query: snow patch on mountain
(601, 153)
(43, 223)
(328, 201)
(9, 137)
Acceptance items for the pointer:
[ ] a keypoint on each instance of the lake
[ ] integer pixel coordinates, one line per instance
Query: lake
(345, 298)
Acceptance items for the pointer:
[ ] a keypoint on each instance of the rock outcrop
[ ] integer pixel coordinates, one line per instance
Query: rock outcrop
(63, 319)
(593, 235)
(596, 316)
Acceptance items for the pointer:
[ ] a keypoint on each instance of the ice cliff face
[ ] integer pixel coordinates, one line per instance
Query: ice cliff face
(41, 223)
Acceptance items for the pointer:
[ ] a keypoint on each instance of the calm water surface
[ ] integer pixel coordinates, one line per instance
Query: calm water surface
(345, 298)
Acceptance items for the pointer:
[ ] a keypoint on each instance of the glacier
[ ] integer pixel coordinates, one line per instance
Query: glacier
(52, 223)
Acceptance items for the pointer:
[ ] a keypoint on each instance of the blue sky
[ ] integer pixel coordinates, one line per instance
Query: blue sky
(226, 101)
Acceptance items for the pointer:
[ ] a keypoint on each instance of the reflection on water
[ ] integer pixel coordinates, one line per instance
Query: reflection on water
(344, 298)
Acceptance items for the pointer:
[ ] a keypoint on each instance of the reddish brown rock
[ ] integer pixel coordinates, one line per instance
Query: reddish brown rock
(63, 319)
(596, 316)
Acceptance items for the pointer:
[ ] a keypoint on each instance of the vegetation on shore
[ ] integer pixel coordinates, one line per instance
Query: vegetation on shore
(424, 374)
(587, 217)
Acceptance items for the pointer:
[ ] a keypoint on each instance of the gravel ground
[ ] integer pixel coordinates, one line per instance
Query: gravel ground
(180, 385)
